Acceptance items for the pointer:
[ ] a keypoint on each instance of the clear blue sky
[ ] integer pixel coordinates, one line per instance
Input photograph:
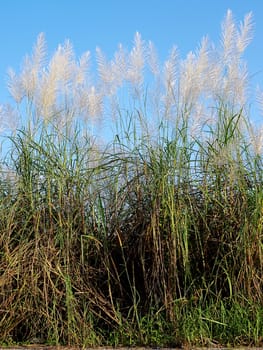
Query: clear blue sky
(106, 23)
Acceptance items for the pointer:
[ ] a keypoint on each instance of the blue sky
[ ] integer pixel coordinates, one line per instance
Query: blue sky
(106, 23)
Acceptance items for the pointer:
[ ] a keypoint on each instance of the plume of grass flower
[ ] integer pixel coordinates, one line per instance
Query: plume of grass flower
(150, 234)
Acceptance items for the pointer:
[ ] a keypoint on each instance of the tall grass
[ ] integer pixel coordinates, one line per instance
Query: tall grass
(153, 236)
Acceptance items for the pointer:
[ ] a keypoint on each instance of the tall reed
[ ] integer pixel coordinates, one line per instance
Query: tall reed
(152, 235)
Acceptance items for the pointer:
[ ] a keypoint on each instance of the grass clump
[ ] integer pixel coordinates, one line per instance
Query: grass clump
(153, 237)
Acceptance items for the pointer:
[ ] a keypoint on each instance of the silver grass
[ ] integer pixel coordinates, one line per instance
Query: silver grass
(190, 86)
(26, 84)
(8, 118)
(170, 82)
(46, 96)
(40, 51)
(136, 62)
(29, 78)
(155, 93)
(170, 71)
(203, 66)
(15, 86)
(256, 138)
(63, 89)
(228, 36)
(82, 69)
(232, 76)
(59, 81)
(152, 59)
(259, 100)
(80, 98)
(199, 120)
(216, 71)
(95, 103)
(112, 73)
(105, 72)
(237, 84)
(245, 34)
(119, 66)
(61, 64)
(33, 66)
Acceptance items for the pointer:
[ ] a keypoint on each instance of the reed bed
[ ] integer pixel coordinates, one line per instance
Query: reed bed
(153, 236)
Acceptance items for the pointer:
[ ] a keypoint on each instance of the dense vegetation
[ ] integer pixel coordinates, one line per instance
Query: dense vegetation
(150, 233)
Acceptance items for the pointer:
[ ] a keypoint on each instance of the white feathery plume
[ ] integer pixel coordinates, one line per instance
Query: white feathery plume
(170, 75)
(29, 78)
(2, 119)
(15, 86)
(82, 68)
(170, 80)
(102, 66)
(112, 73)
(240, 84)
(256, 138)
(234, 71)
(55, 80)
(228, 36)
(32, 67)
(80, 83)
(215, 73)
(170, 71)
(195, 82)
(46, 97)
(8, 118)
(234, 82)
(198, 120)
(79, 95)
(245, 34)
(88, 103)
(155, 91)
(203, 65)
(189, 86)
(119, 66)
(39, 51)
(105, 71)
(60, 66)
(152, 59)
(95, 103)
(259, 99)
(136, 62)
